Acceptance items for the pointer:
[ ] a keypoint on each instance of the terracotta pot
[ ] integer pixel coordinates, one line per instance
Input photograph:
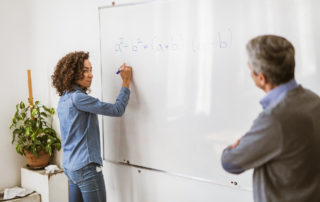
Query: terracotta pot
(41, 161)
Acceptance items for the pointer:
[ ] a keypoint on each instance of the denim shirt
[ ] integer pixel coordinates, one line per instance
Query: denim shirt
(79, 125)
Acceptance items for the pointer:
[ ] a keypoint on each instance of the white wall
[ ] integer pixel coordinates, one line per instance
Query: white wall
(34, 35)
(15, 44)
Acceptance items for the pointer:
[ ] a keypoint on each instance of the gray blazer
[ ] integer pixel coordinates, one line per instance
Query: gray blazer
(283, 147)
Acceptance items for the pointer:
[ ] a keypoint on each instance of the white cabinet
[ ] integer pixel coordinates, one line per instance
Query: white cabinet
(52, 187)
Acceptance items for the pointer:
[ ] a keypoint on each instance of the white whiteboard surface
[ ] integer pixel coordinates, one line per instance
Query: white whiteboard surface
(192, 94)
(129, 184)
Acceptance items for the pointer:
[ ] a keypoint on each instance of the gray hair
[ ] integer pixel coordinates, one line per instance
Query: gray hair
(273, 56)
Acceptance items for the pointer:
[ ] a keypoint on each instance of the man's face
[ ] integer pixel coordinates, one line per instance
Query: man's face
(85, 82)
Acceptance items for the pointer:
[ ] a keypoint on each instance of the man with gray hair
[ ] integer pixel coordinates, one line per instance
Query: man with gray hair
(283, 143)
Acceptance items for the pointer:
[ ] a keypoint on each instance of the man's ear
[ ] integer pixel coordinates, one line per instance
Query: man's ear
(262, 79)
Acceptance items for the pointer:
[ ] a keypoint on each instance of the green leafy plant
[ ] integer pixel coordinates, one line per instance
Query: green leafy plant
(32, 131)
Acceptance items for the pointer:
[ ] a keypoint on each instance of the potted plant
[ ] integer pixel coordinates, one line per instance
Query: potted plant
(33, 133)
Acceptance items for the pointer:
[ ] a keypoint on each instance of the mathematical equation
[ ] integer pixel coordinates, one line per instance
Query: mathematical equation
(221, 40)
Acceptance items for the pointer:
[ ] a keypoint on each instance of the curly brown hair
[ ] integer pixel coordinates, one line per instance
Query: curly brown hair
(68, 70)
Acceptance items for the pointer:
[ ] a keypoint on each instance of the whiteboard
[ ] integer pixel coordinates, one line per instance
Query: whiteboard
(192, 94)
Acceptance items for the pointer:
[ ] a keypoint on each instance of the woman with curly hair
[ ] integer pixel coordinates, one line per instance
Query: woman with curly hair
(79, 127)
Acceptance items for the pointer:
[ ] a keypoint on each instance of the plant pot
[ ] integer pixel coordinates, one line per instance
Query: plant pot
(40, 162)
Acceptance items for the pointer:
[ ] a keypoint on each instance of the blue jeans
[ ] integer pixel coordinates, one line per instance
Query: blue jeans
(86, 184)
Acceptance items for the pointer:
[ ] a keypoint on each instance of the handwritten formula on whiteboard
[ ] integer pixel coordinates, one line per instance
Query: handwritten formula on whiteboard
(221, 40)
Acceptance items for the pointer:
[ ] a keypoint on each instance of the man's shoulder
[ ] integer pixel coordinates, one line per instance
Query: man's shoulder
(301, 93)
(297, 99)
(299, 96)
(302, 90)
